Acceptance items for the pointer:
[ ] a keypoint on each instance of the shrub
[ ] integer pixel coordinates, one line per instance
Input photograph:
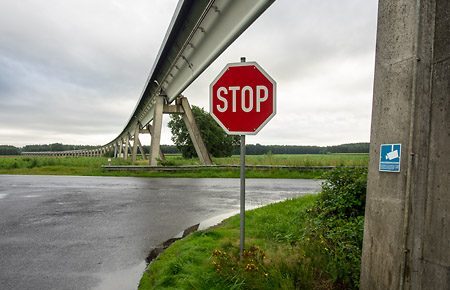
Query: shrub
(33, 163)
(334, 234)
(343, 193)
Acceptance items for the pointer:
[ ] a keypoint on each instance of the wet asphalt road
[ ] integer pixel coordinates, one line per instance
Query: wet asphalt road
(95, 232)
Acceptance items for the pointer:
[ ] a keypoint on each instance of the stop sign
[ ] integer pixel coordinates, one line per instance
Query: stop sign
(242, 98)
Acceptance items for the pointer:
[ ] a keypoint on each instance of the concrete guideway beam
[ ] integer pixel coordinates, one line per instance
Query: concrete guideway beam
(198, 33)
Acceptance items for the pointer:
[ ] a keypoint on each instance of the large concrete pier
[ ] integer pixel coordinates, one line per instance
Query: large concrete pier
(407, 229)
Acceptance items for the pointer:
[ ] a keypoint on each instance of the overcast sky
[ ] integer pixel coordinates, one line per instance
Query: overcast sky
(71, 71)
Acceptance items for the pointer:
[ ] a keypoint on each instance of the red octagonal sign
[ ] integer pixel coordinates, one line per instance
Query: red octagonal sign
(242, 98)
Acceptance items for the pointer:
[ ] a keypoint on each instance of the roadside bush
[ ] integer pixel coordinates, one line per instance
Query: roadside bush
(33, 163)
(334, 232)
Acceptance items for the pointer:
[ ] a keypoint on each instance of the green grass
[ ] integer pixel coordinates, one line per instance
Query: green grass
(209, 259)
(300, 159)
(349, 159)
(91, 166)
(86, 166)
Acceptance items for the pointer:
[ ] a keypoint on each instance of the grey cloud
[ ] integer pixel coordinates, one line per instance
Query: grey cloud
(75, 69)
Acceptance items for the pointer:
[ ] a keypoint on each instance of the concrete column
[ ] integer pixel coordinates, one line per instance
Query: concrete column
(150, 131)
(115, 150)
(156, 134)
(135, 143)
(194, 133)
(120, 146)
(127, 142)
(407, 225)
(141, 149)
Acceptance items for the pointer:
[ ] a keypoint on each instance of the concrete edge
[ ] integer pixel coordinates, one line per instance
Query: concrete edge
(155, 252)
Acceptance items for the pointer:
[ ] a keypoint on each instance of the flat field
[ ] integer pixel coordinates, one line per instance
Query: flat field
(91, 166)
(347, 159)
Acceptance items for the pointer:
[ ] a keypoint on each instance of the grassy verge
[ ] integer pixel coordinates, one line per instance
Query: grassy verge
(91, 166)
(205, 260)
(312, 242)
(350, 159)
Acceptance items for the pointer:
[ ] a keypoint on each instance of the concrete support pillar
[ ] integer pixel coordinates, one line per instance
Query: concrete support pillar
(127, 142)
(150, 131)
(407, 224)
(135, 143)
(156, 134)
(115, 150)
(120, 147)
(194, 133)
(141, 149)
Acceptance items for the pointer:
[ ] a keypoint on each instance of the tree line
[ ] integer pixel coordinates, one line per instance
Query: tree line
(251, 149)
(258, 149)
(55, 147)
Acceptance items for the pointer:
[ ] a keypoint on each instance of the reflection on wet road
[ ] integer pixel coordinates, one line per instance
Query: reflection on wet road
(95, 232)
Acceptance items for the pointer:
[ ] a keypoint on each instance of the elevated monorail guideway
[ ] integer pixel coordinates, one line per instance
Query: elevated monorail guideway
(199, 32)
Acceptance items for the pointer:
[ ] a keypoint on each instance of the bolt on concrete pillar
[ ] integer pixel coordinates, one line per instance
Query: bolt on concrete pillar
(407, 223)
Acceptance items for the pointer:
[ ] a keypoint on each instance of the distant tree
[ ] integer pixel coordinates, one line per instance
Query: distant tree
(55, 147)
(349, 148)
(9, 150)
(169, 149)
(218, 143)
(257, 149)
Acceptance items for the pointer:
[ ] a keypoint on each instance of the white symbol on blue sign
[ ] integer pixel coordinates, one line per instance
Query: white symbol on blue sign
(390, 157)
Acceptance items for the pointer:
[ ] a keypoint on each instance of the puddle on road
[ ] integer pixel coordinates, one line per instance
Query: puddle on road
(31, 196)
(122, 279)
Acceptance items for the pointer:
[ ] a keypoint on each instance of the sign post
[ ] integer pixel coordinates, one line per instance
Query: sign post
(242, 101)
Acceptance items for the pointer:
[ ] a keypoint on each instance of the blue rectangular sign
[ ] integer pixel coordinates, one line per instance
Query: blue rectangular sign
(390, 155)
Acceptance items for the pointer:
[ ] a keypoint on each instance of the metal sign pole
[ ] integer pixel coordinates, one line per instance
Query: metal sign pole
(242, 197)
